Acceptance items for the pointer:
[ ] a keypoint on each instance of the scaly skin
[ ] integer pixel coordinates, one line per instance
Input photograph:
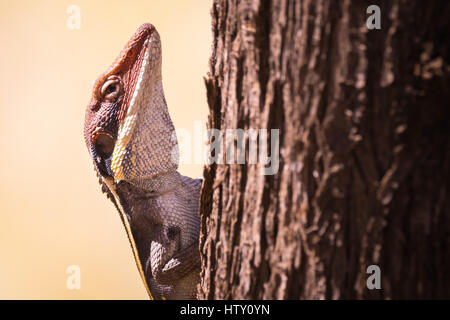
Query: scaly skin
(130, 137)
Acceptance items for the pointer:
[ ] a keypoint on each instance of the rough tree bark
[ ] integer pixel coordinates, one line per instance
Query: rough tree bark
(364, 174)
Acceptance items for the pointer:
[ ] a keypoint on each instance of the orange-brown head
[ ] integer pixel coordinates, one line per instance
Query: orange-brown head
(111, 97)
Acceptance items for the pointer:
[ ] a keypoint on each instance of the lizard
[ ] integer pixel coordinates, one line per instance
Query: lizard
(132, 142)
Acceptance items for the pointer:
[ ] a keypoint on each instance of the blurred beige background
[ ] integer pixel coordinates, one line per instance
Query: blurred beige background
(53, 214)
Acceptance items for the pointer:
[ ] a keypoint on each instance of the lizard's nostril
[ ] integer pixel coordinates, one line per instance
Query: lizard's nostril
(104, 145)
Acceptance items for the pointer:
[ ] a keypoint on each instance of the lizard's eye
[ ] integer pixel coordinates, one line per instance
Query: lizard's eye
(111, 88)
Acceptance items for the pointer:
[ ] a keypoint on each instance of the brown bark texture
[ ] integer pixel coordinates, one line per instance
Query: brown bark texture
(364, 175)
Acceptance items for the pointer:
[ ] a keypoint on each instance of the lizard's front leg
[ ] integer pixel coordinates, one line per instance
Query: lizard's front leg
(174, 252)
(179, 265)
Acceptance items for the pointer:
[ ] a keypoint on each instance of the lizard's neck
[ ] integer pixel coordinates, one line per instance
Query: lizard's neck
(150, 147)
(159, 184)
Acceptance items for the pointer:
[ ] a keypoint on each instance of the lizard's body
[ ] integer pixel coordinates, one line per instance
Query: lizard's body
(131, 139)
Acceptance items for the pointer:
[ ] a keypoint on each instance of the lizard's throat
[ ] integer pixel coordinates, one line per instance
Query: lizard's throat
(146, 144)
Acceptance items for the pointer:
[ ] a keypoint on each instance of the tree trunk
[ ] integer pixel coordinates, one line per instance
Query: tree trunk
(364, 146)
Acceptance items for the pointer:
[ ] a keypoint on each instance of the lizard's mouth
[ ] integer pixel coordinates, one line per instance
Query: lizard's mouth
(101, 151)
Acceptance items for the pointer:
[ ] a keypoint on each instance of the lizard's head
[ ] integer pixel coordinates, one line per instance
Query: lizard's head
(127, 125)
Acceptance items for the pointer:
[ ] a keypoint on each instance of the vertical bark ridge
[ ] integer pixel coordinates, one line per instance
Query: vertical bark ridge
(364, 174)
